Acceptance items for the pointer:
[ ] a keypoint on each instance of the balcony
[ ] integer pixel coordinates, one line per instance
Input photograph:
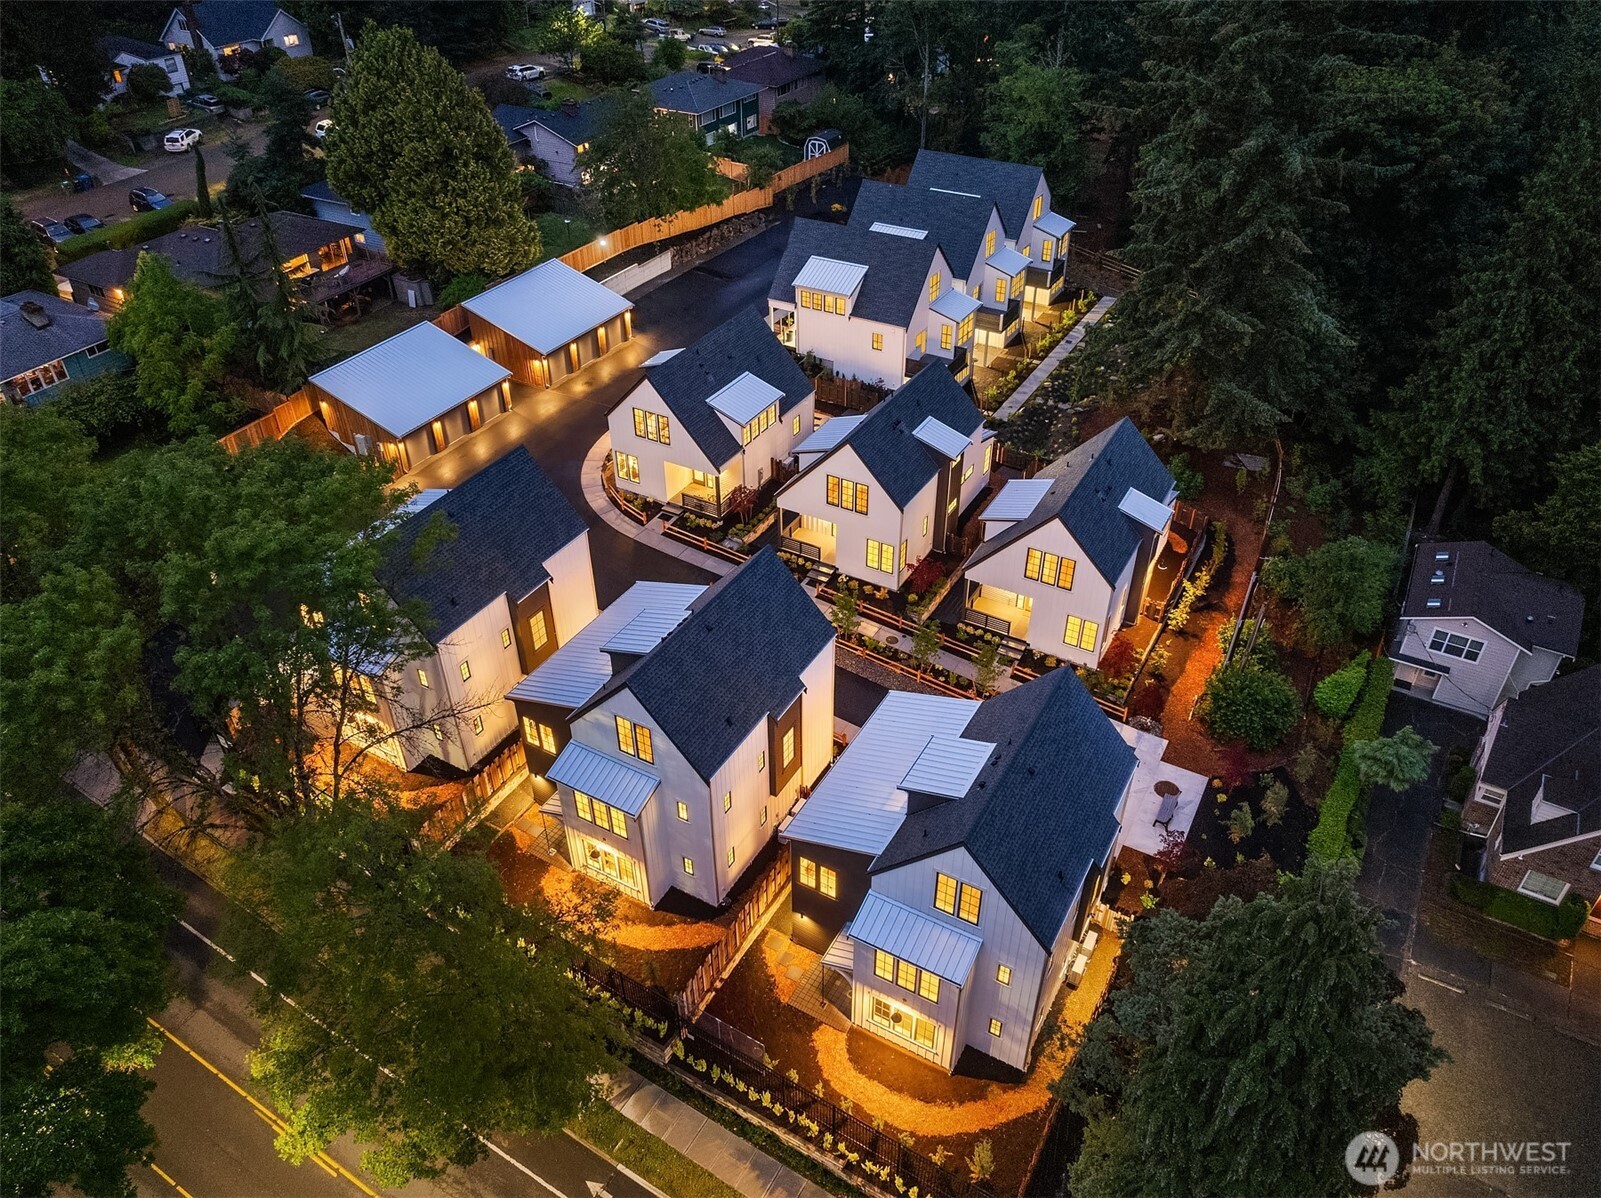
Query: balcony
(991, 319)
(703, 500)
(958, 364)
(360, 268)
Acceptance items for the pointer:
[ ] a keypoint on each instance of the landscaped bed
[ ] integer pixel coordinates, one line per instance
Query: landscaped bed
(1212, 839)
(1551, 922)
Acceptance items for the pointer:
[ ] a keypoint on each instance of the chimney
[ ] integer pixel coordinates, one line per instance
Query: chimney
(33, 312)
(569, 107)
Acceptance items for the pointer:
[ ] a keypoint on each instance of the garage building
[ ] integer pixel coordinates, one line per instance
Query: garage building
(548, 322)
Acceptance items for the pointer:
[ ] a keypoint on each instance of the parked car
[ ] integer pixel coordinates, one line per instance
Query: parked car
(762, 39)
(712, 31)
(320, 129)
(147, 199)
(772, 22)
(82, 222)
(656, 25)
(318, 97)
(525, 70)
(678, 35)
(711, 48)
(180, 140)
(206, 101)
(49, 230)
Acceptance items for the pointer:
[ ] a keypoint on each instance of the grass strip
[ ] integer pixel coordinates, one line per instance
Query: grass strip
(669, 1170)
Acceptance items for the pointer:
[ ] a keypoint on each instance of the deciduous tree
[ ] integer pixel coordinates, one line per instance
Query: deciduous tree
(1034, 110)
(645, 163)
(24, 262)
(180, 339)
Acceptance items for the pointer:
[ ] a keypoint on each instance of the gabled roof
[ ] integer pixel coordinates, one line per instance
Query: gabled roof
(510, 118)
(225, 22)
(741, 344)
(114, 44)
(1042, 811)
(692, 92)
(1548, 747)
(509, 520)
(548, 306)
(886, 438)
(413, 377)
(771, 66)
(1477, 580)
(1007, 261)
(928, 943)
(577, 125)
(700, 685)
(897, 267)
(1088, 488)
(1054, 224)
(956, 222)
(834, 430)
(1010, 184)
(24, 346)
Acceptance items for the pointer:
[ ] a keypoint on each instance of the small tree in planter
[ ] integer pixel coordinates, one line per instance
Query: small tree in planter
(742, 502)
(925, 646)
(846, 616)
(982, 1163)
(987, 668)
(1274, 801)
(1120, 657)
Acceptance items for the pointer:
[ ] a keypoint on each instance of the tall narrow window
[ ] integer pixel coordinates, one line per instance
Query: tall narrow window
(808, 873)
(947, 336)
(945, 893)
(728, 800)
(1047, 250)
(625, 736)
(883, 965)
(906, 975)
(539, 629)
(928, 986)
(880, 556)
(505, 638)
(967, 909)
(581, 801)
(683, 811)
(642, 739)
(1003, 974)
(466, 671)
(995, 1027)
(478, 725)
(1039, 206)
(787, 748)
(1000, 291)
(878, 340)
(989, 243)
(933, 287)
(828, 882)
(422, 678)
(689, 867)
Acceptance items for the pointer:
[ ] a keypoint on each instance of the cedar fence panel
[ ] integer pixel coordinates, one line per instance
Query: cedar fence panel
(693, 998)
(270, 427)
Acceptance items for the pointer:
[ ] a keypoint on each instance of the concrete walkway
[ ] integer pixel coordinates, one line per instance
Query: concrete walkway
(710, 1145)
(595, 496)
(105, 170)
(1052, 360)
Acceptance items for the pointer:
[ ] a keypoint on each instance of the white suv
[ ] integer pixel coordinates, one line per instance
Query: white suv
(180, 140)
(525, 70)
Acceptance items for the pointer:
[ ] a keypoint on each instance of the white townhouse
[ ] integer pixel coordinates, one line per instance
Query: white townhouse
(721, 414)
(878, 493)
(875, 305)
(1069, 556)
(223, 28)
(681, 726)
(1477, 628)
(949, 864)
(499, 567)
(1023, 198)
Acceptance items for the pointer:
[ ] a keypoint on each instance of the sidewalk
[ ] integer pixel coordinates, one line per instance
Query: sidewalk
(712, 1146)
(595, 496)
(1052, 360)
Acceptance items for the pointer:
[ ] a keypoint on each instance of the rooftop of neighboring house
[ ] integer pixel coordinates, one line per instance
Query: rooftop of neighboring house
(114, 44)
(690, 378)
(548, 306)
(226, 22)
(1010, 184)
(1546, 757)
(1474, 579)
(771, 66)
(694, 93)
(956, 222)
(575, 122)
(896, 267)
(509, 520)
(511, 117)
(37, 327)
(1088, 492)
(700, 683)
(907, 438)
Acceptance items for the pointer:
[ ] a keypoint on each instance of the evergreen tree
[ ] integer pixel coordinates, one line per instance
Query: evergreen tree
(1034, 110)
(180, 340)
(24, 261)
(202, 187)
(287, 164)
(645, 163)
(277, 336)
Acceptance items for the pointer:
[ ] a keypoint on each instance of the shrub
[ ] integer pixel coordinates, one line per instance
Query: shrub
(1398, 762)
(462, 287)
(1241, 823)
(982, 1163)
(1186, 477)
(147, 83)
(105, 406)
(1274, 801)
(1120, 657)
(1336, 694)
(1559, 922)
(1463, 780)
(1252, 705)
(1330, 839)
(134, 231)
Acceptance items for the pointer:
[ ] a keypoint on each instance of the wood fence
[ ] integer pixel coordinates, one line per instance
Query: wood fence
(270, 427)
(1105, 262)
(751, 916)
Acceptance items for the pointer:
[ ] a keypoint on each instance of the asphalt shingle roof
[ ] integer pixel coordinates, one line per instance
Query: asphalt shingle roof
(1090, 483)
(1042, 810)
(509, 117)
(23, 347)
(897, 267)
(1549, 744)
(692, 92)
(224, 22)
(956, 222)
(509, 519)
(1010, 184)
(771, 66)
(577, 125)
(736, 659)
(114, 43)
(1529, 609)
(740, 344)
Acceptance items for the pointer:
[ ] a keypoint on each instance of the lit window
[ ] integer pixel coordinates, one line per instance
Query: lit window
(683, 811)
(652, 427)
(906, 975)
(291, 39)
(505, 638)
(422, 677)
(922, 342)
(689, 867)
(1543, 887)
(1050, 569)
(786, 752)
(842, 492)
(794, 426)
(964, 331)
(967, 472)
(1081, 634)
(904, 544)
(1453, 645)
(933, 287)
(878, 340)
(883, 965)
(761, 761)
(627, 467)
(1003, 974)
(925, 524)
(466, 671)
(478, 725)
(808, 873)
(828, 882)
(581, 801)
(728, 801)
(1039, 206)
(730, 856)
(880, 556)
(968, 908)
(618, 825)
(995, 1027)
(1000, 291)
(761, 821)
(439, 733)
(539, 630)
(1047, 248)
(38, 379)
(928, 986)
(634, 739)
(947, 336)
(989, 243)
(945, 893)
(541, 736)
(989, 456)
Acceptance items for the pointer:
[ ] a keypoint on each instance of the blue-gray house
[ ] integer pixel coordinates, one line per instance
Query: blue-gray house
(46, 341)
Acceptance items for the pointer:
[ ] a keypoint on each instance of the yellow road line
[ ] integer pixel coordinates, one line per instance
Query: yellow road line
(323, 1161)
(167, 1177)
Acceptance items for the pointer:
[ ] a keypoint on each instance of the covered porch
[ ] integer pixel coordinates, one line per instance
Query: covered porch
(808, 536)
(997, 610)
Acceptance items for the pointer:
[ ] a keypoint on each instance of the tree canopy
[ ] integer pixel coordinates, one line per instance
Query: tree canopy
(24, 262)
(645, 163)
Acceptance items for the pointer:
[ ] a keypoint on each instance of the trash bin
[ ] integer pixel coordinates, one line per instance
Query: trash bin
(82, 181)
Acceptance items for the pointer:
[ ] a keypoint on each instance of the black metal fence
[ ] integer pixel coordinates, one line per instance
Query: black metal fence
(657, 1014)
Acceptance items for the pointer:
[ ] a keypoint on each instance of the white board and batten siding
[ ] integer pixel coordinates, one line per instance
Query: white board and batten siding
(808, 495)
(931, 945)
(572, 588)
(1475, 686)
(1091, 597)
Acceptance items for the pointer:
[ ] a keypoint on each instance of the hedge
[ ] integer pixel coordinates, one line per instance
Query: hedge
(134, 231)
(1337, 693)
(1558, 922)
(1331, 838)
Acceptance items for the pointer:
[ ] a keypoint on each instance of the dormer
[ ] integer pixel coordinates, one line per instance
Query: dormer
(829, 285)
(944, 770)
(1015, 501)
(640, 635)
(748, 404)
(1142, 509)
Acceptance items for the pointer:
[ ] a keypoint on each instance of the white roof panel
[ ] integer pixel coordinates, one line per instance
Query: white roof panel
(1007, 261)
(926, 942)
(833, 431)
(830, 274)
(624, 786)
(955, 305)
(548, 306)
(947, 766)
(569, 676)
(658, 359)
(859, 804)
(879, 226)
(1054, 224)
(745, 398)
(646, 630)
(1139, 506)
(413, 377)
(1017, 499)
(841, 954)
(940, 437)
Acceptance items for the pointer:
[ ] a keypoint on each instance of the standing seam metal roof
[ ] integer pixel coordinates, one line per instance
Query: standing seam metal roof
(413, 377)
(548, 306)
(897, 267)
(625, 787)
(926, 942)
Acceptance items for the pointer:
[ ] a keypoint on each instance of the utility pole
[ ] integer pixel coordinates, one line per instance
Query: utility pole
(344, 42)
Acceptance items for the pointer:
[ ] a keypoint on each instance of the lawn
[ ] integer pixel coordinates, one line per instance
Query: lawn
(383, 322)
(563, 88)
(560, 234)
(632, 1146)
(788, 155)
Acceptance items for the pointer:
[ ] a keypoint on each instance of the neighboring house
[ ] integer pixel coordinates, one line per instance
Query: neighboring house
(783, 76)
(1535, 816)
(681, 726)
(510, 582)
(548, 322)
(949, 864)
(330, 206)
(875, 305)
(46, 341)
(326, 259)
(1477, 628)
(510, 117)
(227, 27)
(706, 420)
(1023, 199)
(712, 103)
(878, 493)
(1069, 556)
(556, 137)
(408, 397)
(125, 53)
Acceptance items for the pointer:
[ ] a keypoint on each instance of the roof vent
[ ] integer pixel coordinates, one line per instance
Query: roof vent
(1442, 556)
(1433, 603)
(33, 312)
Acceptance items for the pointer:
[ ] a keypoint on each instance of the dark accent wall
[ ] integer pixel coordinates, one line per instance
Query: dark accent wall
(819, 919)
(538, 760)
(536, 600)
(779, 774)
(947, 484)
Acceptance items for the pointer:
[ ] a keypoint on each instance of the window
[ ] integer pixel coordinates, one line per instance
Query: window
(539, 629)
(878, 340)
(786, 749)
(1543, 887)
(828, 882)
(989, 243)
(883, 965)
(880, 556)
(466, 671)
(761, 424)
(478, 725)
(1047, 249)
(842, 492)
(439, 733)
(627, 467)
(928, 986)
(922, 342)
(291, 39)
(541, 736)
(947, 336)
(683, 811)
(989, 457)
(634, 739)
(761, 761)
(422, 678)
(94, 351)
(728, 801)
(1045, 567)
(581, 801)
(794, 425)
(933, 287)
(1003, 974)
(925, 524)
(1039, 206)
(1000, 291)
(730, 856)
(761, 821)
(808, 873)
(967, 471)
(602, 815)
(995, 1027)
(47, 375)
(1453, 645)
(945, 888)
(652, 427)
(505, 638)
(689, 867)
(906, 975)
(964, 331)
(1080, 634)
(968, 908)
